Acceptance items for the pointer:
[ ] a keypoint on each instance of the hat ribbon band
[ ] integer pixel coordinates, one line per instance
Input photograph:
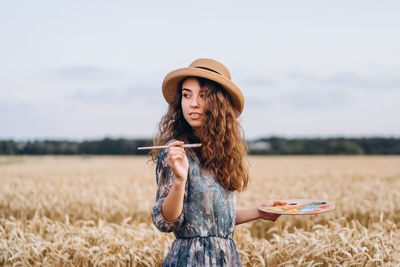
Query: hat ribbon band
(204, 68)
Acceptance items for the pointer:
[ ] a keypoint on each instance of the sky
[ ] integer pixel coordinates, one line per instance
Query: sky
(93, 69)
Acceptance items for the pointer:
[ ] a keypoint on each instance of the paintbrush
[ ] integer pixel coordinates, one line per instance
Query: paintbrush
(161, 147)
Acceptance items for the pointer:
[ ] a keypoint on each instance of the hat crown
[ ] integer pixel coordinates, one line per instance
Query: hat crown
(211, 65)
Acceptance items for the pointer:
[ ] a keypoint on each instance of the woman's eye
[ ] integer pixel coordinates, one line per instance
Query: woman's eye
(185, 95)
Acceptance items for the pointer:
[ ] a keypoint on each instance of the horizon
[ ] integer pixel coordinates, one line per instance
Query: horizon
(247, 139)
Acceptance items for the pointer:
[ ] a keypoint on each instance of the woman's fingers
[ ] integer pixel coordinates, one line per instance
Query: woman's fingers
(271, 203)
(176, 144)
(177, 160)
(176, 152)
(270, 216)
(278, 202)
(178, 156)
(275, 217)
(176, 149)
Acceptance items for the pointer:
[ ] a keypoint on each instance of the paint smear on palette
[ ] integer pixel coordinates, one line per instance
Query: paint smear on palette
(300, 207)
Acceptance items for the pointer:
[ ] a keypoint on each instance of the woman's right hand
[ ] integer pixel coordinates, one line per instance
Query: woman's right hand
(178, 161)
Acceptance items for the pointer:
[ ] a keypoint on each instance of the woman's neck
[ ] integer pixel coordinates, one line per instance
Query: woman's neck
(197, 133)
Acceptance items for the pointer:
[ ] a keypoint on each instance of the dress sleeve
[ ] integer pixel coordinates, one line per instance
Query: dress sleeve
(165, 179)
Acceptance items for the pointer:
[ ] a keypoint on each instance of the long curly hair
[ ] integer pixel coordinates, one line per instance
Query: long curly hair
(223, 151)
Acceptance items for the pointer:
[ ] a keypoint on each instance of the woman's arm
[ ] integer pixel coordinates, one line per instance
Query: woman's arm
(250, 214)
(173, 204)
(177, 160)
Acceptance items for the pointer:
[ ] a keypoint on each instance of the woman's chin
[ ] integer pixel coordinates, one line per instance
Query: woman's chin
(196, 123)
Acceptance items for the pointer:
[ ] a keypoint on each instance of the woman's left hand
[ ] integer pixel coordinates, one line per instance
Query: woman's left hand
(267, 215)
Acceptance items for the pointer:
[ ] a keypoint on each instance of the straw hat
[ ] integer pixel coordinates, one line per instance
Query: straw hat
(205, 68)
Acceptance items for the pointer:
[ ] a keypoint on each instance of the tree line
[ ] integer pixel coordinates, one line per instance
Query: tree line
(261, 146)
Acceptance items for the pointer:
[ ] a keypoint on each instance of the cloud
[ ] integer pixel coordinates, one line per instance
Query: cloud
(348, 80)
(300, 91)
(85, 73)
(137, 94)
(311, 91)
(354, 80)
(258, 82)
(312, 99)
(259, 102)
(14, 107)
(306, 99)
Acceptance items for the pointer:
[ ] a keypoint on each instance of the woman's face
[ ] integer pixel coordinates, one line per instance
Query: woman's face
(193, 103)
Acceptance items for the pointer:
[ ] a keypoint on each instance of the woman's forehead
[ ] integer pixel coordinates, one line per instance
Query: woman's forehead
(204, 89)
(191, 84)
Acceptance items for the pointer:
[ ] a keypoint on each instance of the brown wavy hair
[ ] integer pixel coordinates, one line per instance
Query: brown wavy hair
(223, 151)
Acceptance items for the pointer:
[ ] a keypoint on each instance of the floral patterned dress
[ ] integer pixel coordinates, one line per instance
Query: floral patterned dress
(204, 230)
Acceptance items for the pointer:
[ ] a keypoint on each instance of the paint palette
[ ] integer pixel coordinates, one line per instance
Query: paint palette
(300, 207)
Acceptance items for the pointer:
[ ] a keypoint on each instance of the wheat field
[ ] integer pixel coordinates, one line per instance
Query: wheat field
(95, 211)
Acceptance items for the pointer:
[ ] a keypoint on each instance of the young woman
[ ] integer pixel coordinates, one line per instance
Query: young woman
(196, 187)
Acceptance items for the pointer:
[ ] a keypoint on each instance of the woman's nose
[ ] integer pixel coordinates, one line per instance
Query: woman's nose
(195, 102)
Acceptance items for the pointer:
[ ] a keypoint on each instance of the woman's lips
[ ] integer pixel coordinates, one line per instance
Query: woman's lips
(195, 115)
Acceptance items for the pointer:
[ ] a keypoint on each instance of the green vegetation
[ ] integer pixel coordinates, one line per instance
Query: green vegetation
(327, 146)
(105, 146)
(262, 146)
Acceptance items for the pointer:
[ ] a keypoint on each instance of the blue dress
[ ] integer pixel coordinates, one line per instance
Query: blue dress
(204, 230)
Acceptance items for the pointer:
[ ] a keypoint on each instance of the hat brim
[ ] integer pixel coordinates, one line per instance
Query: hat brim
(171, 81)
